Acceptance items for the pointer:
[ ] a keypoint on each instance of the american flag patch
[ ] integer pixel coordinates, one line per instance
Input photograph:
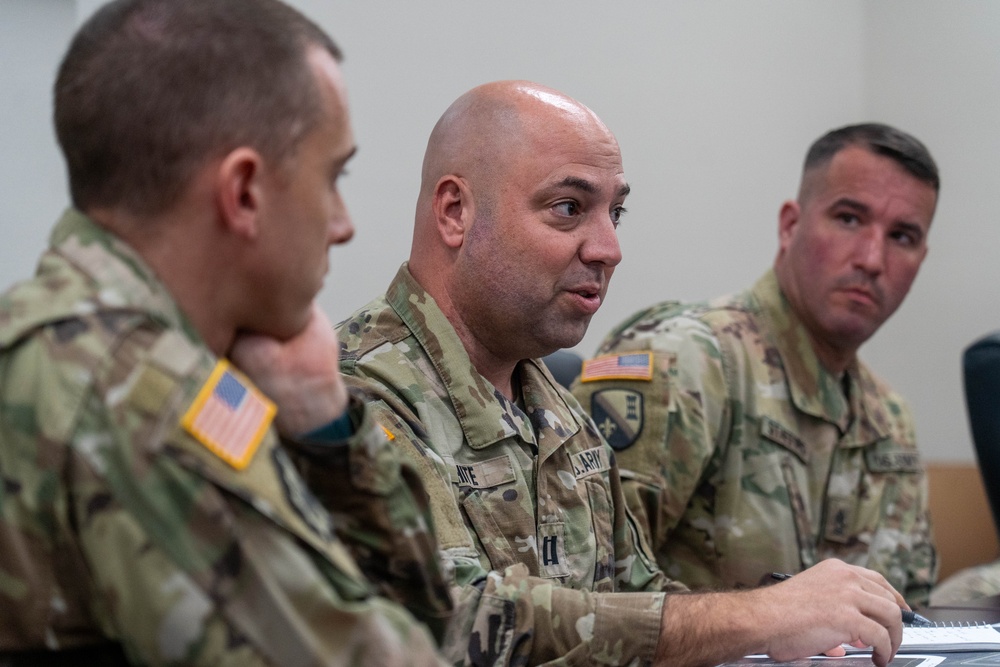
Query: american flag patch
(633, 366)
(229, 416)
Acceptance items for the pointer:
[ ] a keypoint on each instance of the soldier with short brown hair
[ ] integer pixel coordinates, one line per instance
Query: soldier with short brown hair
(166, 379)
(757, 441)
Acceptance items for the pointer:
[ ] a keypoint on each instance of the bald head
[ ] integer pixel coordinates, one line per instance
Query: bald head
(522, 188)
(483, 128)
(484, 133)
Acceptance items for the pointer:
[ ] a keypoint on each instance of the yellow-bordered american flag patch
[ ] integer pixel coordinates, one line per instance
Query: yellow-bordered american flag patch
(629, 366)
(229, 416)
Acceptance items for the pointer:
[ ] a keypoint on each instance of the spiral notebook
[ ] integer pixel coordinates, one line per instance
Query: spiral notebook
(947, 638)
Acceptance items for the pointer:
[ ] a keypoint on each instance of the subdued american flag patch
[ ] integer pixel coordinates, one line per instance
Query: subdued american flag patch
(229, 416)
(631, 366)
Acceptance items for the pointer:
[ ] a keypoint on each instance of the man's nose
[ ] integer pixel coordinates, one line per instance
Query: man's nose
(341, 227)
(601, 244)
(869, 254)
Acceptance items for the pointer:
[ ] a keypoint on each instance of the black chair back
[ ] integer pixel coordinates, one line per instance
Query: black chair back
(981, 372)
(564, 365)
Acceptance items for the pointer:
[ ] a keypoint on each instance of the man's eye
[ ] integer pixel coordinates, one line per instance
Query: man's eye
(848, 218)
(904, 238)
(616, 214)
(567, 208)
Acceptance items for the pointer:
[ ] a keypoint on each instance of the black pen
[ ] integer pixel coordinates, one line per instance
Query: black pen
(909, 617)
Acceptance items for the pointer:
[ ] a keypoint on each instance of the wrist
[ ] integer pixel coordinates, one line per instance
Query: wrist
(341, 428)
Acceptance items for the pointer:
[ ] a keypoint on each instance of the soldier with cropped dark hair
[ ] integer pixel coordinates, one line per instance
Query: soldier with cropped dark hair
(759, 442)
(169, 392)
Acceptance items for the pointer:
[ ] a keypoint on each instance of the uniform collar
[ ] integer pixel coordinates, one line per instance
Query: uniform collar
(124, 280)
(813, 389)
(485, 414)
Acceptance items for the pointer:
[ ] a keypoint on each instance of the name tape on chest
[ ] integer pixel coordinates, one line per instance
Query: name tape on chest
(229, 416)
(778, 434)
(484, 474)
(590, 462)
(631, 366)
(892, 461)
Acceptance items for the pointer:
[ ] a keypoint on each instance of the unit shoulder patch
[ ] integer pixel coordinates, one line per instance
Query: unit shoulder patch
(618, 414)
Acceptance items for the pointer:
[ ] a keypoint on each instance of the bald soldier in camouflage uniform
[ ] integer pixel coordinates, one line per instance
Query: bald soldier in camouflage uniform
(513, 246)
(150, 512)
(478, 452)
(752, 438)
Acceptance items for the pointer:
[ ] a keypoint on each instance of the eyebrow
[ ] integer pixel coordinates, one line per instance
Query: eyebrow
(851, 203)
(588, 187)
(577, 183)
(913, 228)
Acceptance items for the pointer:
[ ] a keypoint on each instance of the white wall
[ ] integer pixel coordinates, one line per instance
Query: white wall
(33, 36)
(934, 68)
(714, 104)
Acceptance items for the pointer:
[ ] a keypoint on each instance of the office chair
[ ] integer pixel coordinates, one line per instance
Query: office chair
(981, 372)
(564, 365)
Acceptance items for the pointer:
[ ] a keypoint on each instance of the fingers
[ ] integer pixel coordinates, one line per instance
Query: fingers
(878, 637)
(859, 608)
(880, 624)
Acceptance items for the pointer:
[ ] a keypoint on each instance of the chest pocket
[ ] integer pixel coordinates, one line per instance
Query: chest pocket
(890, 489)
(596, 560)
(498, 509)
(762, 488)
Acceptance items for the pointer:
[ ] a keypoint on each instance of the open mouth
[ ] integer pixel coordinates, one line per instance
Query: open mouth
(588, 299)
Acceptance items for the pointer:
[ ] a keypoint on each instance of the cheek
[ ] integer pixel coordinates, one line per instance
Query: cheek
(902, 274)
(817, 250)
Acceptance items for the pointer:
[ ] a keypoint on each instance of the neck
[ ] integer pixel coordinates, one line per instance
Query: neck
(836, 361)
(499, 373)
(187, 263)
(834, 358)
(498, 370)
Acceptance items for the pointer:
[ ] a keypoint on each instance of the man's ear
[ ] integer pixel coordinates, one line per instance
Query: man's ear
(239, 191)
(788, 217)
(453, 208)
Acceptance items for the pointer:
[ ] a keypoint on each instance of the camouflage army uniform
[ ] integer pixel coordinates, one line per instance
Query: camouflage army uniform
(526, 498)
(741, 456)
(981, 581)
(117, 527)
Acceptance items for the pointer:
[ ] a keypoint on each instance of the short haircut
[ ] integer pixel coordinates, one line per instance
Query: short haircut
(905, 149)
(149, 90)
